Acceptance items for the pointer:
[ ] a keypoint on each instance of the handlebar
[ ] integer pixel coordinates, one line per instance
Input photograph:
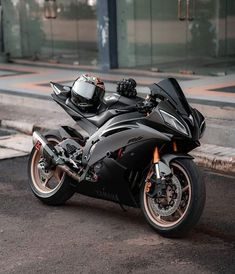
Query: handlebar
(145, 107)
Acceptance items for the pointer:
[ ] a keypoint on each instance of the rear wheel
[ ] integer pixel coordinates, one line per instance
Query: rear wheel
(180, 209)
(52, 186)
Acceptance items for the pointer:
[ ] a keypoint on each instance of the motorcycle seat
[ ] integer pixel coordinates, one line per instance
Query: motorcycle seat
(97, 119)
(112, 103)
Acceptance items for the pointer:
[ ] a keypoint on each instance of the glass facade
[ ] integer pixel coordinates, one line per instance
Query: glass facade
(169, 35)
(52, 29)
(177, 35)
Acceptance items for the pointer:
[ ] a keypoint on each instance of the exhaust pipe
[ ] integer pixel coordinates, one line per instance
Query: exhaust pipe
(39, 137)
(68, 171)
(41, 144)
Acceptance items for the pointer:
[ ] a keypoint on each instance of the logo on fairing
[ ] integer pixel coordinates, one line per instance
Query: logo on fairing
(136, 139)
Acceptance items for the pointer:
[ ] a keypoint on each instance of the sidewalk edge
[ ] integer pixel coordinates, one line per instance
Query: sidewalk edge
(218, 163)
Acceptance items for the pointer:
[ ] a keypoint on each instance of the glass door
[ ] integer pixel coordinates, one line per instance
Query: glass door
(151, 34)
(71, 31)
(230, 36)
(187, 36)
(134, 33)
(59, 31)
(206, 48)
(168, 35)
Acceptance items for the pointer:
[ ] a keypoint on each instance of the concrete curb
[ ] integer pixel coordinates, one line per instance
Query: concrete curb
(215, 157)
(23, 127)
(15, 145)
(222, 164)
(6, 153)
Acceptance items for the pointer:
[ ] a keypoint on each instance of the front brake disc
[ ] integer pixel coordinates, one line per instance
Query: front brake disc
(174, 190)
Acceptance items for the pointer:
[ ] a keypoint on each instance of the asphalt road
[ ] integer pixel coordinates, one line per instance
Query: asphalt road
(92, 236)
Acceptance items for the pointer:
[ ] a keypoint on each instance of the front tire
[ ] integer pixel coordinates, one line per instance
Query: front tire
(181, 210)
(54, 186)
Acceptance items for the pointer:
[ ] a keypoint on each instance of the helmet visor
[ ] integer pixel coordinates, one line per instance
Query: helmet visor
(84, 89)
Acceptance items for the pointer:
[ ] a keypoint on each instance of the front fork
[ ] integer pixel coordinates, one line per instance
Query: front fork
(157, 187)
(156, 159)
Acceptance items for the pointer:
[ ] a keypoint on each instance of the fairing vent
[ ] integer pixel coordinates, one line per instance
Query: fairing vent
(114, 131)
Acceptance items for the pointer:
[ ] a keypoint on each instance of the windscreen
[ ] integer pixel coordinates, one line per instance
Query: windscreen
(84, 89)
(171, 90)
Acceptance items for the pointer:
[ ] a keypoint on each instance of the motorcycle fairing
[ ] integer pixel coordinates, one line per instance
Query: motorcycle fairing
(126, 134)
(200, 126)
(195, 126)
(155, 118)
(137, 155)
(171, 90)
(113, 185)
(61, 90)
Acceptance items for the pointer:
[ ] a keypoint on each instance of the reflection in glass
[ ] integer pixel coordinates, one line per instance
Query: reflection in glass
(65, 31)
(50, 9)
(151, 34)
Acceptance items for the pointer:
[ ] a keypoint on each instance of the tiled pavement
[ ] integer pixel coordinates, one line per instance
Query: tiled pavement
(34, 81)
(15, 145)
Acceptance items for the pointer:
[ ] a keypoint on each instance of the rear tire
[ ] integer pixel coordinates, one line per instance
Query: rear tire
(176, 220)
(60, 189)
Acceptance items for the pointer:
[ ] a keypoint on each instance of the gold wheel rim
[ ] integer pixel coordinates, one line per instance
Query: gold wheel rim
(53, 179)
(179, 214)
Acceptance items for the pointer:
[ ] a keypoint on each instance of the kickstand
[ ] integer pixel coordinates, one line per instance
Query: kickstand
(122, 207)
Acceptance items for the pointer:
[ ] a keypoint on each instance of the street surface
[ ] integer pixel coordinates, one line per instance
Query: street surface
(92, 236)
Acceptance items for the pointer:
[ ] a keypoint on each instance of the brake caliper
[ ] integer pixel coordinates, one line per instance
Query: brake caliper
(155, 187)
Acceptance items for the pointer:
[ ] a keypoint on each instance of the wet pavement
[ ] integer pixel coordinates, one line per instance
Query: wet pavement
(95, 236)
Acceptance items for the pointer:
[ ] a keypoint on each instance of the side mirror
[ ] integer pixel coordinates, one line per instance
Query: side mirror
(50, 9)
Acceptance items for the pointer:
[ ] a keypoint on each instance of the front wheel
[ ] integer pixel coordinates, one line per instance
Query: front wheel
(180, 209)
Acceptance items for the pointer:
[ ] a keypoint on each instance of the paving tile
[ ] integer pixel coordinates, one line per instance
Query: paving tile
(37, 83)
(6, 153)
(19, 142)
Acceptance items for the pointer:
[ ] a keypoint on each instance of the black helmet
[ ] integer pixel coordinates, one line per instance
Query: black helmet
(87, 92)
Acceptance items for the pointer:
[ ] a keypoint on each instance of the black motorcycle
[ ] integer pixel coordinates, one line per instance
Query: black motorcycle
(131, 151)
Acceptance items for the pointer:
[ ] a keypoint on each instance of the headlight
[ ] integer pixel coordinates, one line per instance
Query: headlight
(173, 122)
